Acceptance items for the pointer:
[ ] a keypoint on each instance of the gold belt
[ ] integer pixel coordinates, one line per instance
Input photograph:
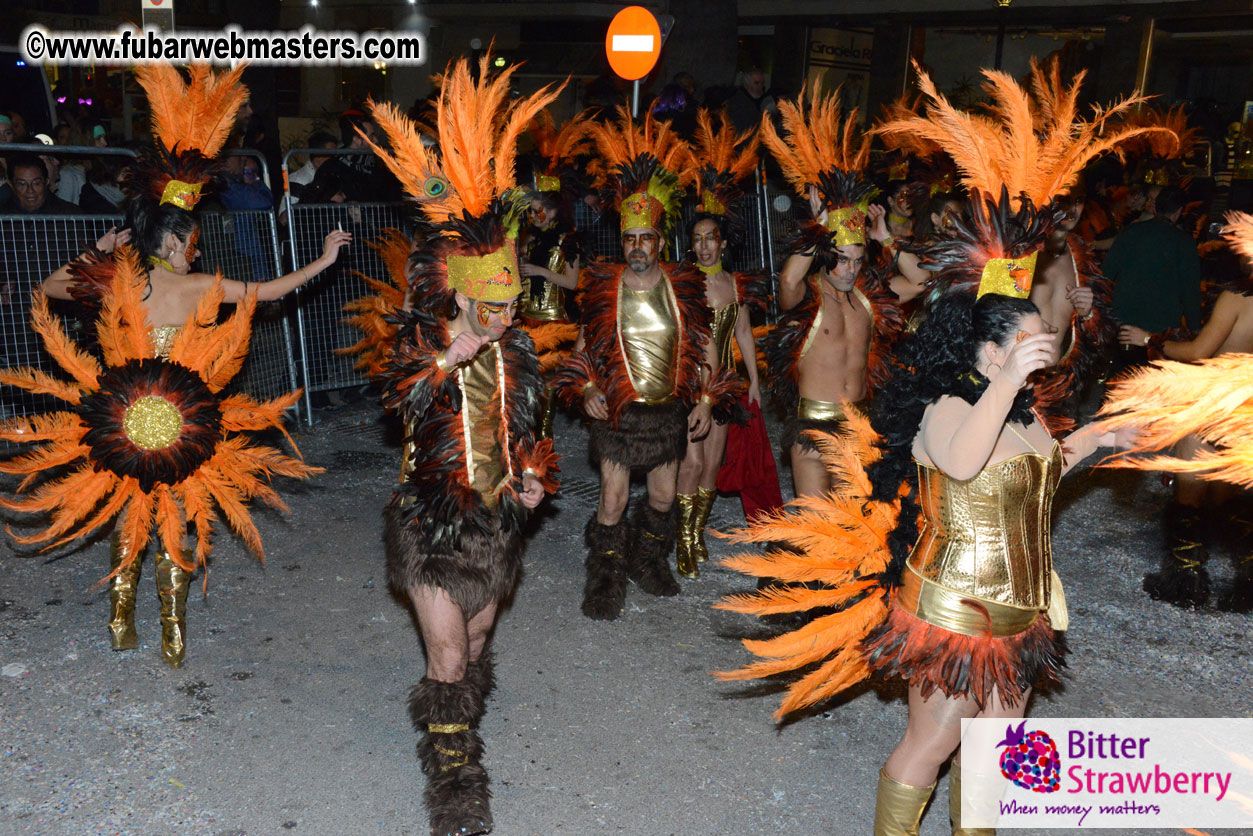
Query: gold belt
(944, 608)
(811, 410)
(655, 401)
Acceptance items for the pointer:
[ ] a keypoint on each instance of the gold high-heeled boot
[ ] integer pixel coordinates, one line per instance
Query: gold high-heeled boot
(172, 584)
(685, 565)
(898, 808)
(955, 805)
(548, 406)
(700, 517)
(122, 598)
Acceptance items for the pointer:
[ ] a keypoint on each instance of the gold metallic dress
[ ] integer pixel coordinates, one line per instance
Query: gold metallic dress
(978, 599)
(723, 328)
(543, 300)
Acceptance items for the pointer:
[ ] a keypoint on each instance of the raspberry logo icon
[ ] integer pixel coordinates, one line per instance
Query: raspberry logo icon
(1030, 759)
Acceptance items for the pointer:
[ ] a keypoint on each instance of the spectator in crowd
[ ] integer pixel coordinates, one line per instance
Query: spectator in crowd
(688, 83)
(750, 101)
(18, 123)
(299, 180)
(72, 177)
(31, 194)
(1156, 273)
(102, 193)
(674, 106)
(6, 135)
(99, 136)
(6, 129)
(353, 178)
(245, 191)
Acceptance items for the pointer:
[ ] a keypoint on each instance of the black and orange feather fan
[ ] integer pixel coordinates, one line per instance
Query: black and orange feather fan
(374, 315)
(831, 550)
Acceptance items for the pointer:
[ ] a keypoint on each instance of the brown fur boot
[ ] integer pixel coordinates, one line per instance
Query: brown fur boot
(481, 674)
(652, 542)
(604, 594)
(450, 750)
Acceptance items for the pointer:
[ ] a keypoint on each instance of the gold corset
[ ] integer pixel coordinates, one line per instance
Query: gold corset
(549, 303)
(163, 338)
(986, 539)
(648, 331)
(723, 328)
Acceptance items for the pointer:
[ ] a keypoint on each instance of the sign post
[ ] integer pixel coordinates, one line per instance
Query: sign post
(633, 44)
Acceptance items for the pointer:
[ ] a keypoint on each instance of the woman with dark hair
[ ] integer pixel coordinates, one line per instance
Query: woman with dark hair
(165, 184)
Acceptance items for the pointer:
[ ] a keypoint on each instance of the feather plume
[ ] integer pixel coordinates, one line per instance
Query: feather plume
(837, 541)
(819, 139)
(192, 116)
(477, 128)
(1168, 401)
(1032, 146)
(559, 147)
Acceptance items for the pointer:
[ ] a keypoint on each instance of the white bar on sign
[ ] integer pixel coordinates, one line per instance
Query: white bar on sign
(632, 43)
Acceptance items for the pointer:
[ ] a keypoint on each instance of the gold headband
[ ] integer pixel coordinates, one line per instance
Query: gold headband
(710, 204)
(642, 210)
(183, 195)
(900, 171)
(547, 183)
(486, 278)
(1008, 276)
(847, 224)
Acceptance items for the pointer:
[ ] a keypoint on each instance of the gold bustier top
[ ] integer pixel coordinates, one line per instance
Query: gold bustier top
(648, 332)
(163, 338)
(986, 539)
(542, 299)
(482, 416)
(723, 328)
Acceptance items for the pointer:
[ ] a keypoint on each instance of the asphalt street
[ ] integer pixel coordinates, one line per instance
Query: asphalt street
(289, 715)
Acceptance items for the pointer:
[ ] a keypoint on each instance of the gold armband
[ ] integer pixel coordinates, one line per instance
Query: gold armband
(707, 399)
(441, 360)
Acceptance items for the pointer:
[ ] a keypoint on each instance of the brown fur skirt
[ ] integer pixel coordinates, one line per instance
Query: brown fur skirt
(647, 436)
(970, 667)
(485, 569)
(794, 430)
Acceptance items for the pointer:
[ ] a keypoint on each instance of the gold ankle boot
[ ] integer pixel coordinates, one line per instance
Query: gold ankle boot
(898, 808)
(700, 516)
(685, 565)
(172, 583)
(955, 805)
(122, 598)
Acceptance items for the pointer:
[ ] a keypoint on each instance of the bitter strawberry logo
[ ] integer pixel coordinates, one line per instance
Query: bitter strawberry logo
(1030, 759)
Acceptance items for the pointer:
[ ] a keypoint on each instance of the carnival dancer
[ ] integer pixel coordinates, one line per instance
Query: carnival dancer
(966, 610)
(832, 344)
(638, 370)
(159, 438)
(467, 386)
(1206, 460)
(721, 161)
(550, 250)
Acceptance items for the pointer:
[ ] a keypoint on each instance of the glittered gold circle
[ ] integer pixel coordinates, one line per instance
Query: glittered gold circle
(152, 423)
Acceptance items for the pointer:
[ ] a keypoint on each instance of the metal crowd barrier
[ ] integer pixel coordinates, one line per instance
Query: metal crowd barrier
(243, 245)
(319, 304)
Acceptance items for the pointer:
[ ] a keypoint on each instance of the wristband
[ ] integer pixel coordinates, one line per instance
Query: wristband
(706, 400)
(587, 386)
(441, 360)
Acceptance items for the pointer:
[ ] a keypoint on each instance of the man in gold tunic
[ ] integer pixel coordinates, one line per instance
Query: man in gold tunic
(637, 374)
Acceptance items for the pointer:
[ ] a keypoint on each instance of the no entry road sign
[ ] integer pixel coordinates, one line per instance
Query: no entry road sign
(633, 43)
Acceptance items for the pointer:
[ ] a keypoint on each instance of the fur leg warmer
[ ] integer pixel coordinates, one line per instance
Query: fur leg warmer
(604, 594)
(652, 543)
(450, 750)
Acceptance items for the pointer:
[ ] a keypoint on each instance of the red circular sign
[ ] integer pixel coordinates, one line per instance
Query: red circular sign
(633, 43)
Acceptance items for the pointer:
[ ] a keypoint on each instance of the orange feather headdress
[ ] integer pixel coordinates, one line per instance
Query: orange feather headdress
(1162, 151)
(557, 149)
(149, 439)
(1014, 159)
(826, 149)
(190, 123)
(644, 160)
(723, 158)
(466, 188)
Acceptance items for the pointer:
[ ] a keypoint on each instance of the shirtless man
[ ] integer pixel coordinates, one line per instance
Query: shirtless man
(823, 347)
(1057, 289)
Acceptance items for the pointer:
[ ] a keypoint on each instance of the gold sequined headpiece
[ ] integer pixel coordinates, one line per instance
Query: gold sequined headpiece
(643, 159)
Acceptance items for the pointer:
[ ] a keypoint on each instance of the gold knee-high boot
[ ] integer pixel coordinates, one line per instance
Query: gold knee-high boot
(898, 808)
(955, 805)
(685, 565)
(700, 517)
(122, 598)
(172, 584)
